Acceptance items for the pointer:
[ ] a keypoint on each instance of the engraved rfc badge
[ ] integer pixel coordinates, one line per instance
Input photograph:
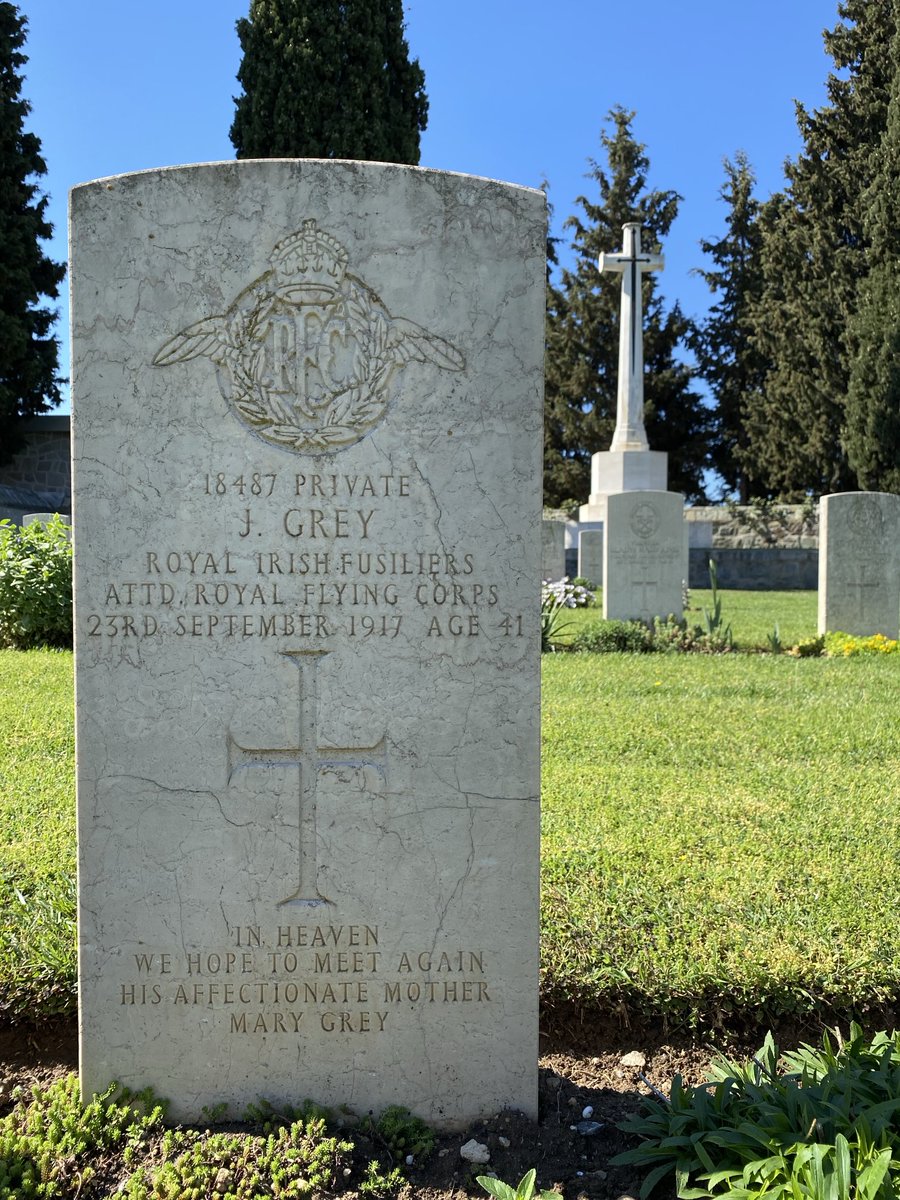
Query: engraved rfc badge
(307, 352)
(644, 520)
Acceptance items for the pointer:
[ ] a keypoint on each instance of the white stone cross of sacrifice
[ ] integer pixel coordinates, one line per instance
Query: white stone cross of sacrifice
(631, 263)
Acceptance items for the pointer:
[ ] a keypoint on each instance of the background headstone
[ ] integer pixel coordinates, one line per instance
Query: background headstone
(553, 550)
(859, 563)
(644, 556)
(307, 446)
(590, 555)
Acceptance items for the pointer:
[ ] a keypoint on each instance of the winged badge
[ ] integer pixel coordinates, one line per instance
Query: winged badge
(307, 352)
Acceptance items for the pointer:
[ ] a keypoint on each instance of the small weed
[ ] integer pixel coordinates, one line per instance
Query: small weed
(378, 1186)
(524, 1189)
(812, 647)
(716, 631)
(403, 1134)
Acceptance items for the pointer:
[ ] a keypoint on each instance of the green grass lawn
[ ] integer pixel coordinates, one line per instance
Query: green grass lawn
(721, 833)
(37, 831)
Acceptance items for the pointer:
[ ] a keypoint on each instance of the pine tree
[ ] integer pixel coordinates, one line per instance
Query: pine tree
(583, 335)
(872, 418)
(328, 79)
(726, 358)
(29, 353)
(813, 259)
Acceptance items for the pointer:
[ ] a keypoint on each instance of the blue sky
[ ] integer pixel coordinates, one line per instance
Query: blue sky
(518, 91)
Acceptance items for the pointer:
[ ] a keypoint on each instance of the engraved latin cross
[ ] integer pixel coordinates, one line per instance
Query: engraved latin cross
(631, 264)
(645, 585)
(311, 759)
(861, 586)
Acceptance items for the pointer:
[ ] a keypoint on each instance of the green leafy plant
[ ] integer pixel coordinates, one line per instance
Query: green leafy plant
(377, 1185)
(295, 1160)
(403, 1134)
(716, 630)
(846, 645)
(587, 584)
(53, 1147)
(669, 635)
(826, 1126)
(263, 1113)
(49, 1141)
(35, 585)
(606, 637)
(808, 648)
(665, 635)
(774, 640)
(524, 1189)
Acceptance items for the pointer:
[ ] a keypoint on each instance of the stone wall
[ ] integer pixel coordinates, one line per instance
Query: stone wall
(754, 527)
(756, 569)
(39, 478)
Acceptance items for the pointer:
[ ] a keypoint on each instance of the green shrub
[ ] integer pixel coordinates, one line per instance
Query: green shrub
(295, 1160)
(827, 1126)
(606, 637)
(404, 1135)
(52, 1147)
(667, 635)
(812, 647)
(50, 1142)
(35, 585)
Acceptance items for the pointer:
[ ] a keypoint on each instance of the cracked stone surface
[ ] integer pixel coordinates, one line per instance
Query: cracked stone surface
(307, 461)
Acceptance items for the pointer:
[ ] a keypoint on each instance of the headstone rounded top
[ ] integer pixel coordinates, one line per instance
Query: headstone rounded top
(333, 165)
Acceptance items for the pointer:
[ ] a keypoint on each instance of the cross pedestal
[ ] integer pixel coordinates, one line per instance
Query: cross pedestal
(311, 759)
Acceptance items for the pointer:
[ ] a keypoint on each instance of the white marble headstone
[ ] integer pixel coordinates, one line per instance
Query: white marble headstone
(644, 556)
(859, 563)
(553, 550)
(590, 555)
(307, 445)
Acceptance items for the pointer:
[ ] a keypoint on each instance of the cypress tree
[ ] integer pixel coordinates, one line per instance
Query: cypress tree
(29, 353)
(726, 358)
(872, 425)
(583, 335)
(813, 259)
(328, 79)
